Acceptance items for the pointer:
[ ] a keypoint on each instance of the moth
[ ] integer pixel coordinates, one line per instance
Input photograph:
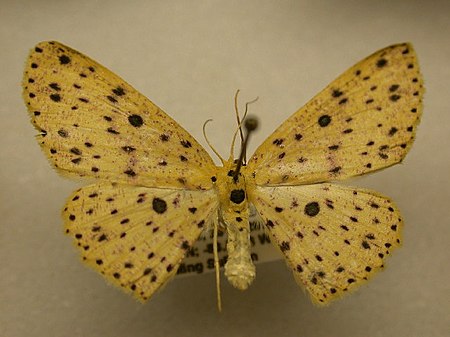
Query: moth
(155, 189)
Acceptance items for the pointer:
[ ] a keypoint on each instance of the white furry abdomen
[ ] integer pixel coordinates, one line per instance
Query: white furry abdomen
(239, 269)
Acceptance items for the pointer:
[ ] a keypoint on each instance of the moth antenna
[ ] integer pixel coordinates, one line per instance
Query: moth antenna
(239, 122)
(209, 144)
(243, 118)
(250, 124)
(236, 110)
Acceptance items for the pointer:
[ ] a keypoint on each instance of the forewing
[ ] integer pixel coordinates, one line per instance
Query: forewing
(137, 236)
(92, 123)
(363, 121)
(333, 237)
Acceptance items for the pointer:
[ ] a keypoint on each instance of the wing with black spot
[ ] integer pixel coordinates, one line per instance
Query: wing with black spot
(94, 124)
(334, 237)
(363, 121)
(136, 237)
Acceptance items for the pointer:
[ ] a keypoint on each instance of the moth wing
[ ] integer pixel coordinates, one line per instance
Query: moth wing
(94, 124)
(363, 121)
(333, 237)
(137, 236)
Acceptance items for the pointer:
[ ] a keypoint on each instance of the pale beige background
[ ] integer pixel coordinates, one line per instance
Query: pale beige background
(190, 57)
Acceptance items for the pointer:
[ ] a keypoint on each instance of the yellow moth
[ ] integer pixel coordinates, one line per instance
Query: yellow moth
(156, 189)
